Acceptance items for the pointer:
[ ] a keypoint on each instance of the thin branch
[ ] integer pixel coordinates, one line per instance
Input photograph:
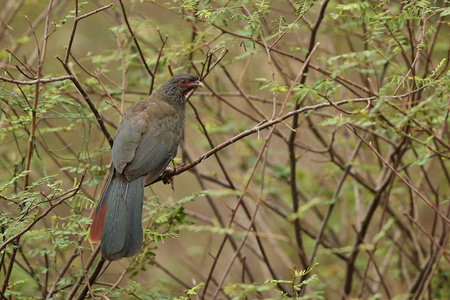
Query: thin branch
(92, 279)
(67, 195)
(263, 151)
(36, 81)
(75, 24)
(89, 102)
(169, 173)
(133, 36)
(412, 188)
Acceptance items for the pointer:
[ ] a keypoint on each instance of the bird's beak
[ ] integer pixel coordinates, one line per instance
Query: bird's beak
(196, 84)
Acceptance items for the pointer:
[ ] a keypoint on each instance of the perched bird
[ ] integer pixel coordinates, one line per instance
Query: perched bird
(145, 143)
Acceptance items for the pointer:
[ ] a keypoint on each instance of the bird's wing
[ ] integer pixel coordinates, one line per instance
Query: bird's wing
(146, 140)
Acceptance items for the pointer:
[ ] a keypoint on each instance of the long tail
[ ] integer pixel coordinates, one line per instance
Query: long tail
(117, 220)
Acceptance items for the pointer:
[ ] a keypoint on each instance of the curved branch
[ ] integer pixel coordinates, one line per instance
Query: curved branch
(170, 173)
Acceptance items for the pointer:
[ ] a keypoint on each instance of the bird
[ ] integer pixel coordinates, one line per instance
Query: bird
(146, 141)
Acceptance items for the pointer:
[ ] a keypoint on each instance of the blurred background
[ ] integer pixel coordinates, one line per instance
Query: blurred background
(333, 180)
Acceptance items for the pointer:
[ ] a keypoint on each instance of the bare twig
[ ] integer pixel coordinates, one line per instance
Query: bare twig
(256, 129)
(91, 105)
(447, 220)
(133, 36)
(75, 25)
(36, 81)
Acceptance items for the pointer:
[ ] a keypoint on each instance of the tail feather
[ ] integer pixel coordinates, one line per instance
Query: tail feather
(120, 213)
(99, 216)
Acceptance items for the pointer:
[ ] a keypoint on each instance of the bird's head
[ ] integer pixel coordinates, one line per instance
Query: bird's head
(181, 84)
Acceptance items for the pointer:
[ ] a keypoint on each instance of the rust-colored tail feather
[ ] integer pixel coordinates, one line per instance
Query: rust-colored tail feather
(117, 221)
(97, 223)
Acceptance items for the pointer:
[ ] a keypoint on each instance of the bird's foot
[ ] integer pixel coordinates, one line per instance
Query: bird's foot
(167, 178)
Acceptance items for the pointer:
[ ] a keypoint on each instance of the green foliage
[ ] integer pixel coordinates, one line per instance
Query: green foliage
(191, 292)
(240, 290)
(296, 282)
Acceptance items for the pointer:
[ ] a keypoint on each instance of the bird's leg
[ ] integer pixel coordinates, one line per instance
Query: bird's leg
(172, 159)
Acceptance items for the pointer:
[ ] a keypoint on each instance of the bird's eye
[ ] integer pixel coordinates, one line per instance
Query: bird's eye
(182, 81)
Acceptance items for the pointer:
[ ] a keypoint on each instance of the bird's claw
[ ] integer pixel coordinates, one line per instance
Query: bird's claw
(166, 177)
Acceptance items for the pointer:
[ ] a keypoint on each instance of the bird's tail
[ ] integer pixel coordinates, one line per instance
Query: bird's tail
(117, 219)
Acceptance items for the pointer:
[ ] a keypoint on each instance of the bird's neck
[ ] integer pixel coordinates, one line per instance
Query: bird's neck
(173, 95)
